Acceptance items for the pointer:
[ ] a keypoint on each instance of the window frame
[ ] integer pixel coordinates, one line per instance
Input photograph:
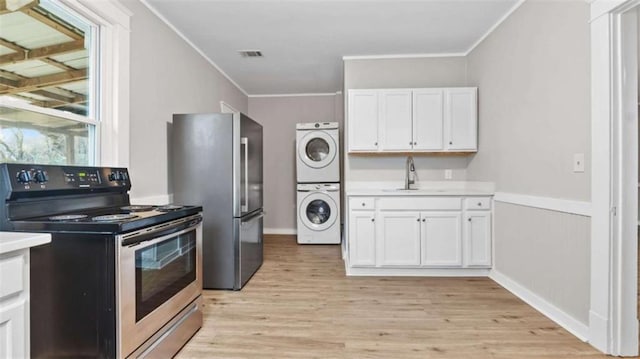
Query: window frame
(111, 66)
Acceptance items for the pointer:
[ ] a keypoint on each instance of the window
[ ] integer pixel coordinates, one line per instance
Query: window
(48, 97)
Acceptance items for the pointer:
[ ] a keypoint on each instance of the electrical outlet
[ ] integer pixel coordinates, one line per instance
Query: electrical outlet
(578, 163)
(448, 174)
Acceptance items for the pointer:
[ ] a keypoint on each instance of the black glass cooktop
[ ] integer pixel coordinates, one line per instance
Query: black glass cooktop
(118, 219)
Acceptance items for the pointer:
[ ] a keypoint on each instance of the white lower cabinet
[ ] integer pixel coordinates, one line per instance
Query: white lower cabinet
(478, 238)
(362, 238)
(432, 233)
(441, 239)
(399, 238)
(14, 318)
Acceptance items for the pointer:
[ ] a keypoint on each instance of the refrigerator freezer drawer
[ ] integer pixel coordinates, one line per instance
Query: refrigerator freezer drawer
(250, 230)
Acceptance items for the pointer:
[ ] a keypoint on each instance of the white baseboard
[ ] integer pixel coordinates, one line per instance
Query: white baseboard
(284, 231)
(155, 200)
(540, 304)
(417, 272)
(598, 332)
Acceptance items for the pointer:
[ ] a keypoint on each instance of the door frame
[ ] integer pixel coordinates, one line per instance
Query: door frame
(613, 323)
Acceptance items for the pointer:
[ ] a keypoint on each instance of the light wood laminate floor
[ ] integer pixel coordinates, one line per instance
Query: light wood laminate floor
(300, 304)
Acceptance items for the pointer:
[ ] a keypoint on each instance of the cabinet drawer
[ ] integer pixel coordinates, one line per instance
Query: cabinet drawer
(477, 203)
(356, 203)
(420, 203)
(11, 274)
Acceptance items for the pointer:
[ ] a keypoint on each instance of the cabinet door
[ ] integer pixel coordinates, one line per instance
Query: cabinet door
(362, 238)
(363, 120)
(478, 238)
(428, 119)
(395, 120)
(441, 239)
(398, 238)
(13, 330)
(461, 119)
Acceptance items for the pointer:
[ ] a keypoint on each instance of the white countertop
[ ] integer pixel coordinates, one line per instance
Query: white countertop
(427, 188)
(14, 241)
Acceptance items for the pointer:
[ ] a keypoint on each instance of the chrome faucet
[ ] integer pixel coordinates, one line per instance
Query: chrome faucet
(410, 173)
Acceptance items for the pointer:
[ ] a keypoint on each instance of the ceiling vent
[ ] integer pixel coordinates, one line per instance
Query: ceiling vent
(250, 53)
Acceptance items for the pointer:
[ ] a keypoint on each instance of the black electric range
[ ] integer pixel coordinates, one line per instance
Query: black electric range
(77, 304)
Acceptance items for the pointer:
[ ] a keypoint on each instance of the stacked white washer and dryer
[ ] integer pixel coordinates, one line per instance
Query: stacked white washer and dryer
(318, 177)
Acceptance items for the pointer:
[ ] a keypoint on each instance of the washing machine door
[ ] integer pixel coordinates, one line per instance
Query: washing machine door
(317, 149)
(318, 211)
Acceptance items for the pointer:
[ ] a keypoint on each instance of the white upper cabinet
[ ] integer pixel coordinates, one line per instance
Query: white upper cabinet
(413, 120)
(461, 118)
(363, 120)
(395, 120)
(428, 114)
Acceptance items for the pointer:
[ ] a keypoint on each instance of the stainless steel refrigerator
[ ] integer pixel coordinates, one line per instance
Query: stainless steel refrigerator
(216, 162)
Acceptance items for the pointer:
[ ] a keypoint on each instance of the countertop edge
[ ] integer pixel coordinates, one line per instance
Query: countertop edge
(15, 241)
(417, 193)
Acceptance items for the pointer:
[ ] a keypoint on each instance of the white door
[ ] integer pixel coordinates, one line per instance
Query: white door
(13, 329)
(395, 120)
(461, 118)
(441, 239)
(478, 238)
(318, 211)
(317, 149)
(363, 120)
(428, 119)
(399, 238)
(362, 239)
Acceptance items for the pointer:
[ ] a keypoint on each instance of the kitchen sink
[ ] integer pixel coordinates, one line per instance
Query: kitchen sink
(399, 190)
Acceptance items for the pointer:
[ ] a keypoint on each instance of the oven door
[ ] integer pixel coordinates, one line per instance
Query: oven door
(159, 273)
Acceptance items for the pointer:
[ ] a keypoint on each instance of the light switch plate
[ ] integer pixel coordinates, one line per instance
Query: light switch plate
(448, 174)
(578, 163)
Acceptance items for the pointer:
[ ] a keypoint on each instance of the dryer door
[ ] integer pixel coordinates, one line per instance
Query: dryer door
(317, 149)
(318, 211)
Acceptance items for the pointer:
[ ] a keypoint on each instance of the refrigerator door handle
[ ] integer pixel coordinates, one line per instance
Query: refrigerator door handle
(245, 206)
(252, 218)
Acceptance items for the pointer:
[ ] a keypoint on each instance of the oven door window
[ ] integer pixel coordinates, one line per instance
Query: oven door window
(163, 270)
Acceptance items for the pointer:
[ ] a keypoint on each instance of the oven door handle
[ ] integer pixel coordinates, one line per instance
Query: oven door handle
(177, 229)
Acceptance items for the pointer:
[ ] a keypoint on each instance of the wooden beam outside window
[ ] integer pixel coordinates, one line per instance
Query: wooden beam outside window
(35, 83)
(53, 23)
(42, 52)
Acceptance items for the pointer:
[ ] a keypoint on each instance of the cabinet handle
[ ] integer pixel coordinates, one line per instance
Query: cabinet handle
(375, 143)
(418, 219)
(479, 204)
(451, 142)
(424, 220)
(411, 143)
(469, 219)
(415, 143)
(363, 204)
(373, 219)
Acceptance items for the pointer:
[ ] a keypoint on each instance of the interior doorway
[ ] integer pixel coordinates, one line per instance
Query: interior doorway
(626, 174)
(613, 315)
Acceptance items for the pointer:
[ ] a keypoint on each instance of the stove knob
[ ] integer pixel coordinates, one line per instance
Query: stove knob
(124, 176)
(113, 176)
(24, 176)
(40, 176)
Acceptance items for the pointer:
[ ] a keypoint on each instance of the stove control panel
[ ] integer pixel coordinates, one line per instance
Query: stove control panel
(21, 179)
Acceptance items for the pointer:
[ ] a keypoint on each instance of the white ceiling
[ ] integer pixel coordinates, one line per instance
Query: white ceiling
(303, 41)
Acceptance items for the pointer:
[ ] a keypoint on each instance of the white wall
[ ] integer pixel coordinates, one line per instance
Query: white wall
(279, 116)
(534, 107)
(533, 76)
(167, 76)
(403, 73)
